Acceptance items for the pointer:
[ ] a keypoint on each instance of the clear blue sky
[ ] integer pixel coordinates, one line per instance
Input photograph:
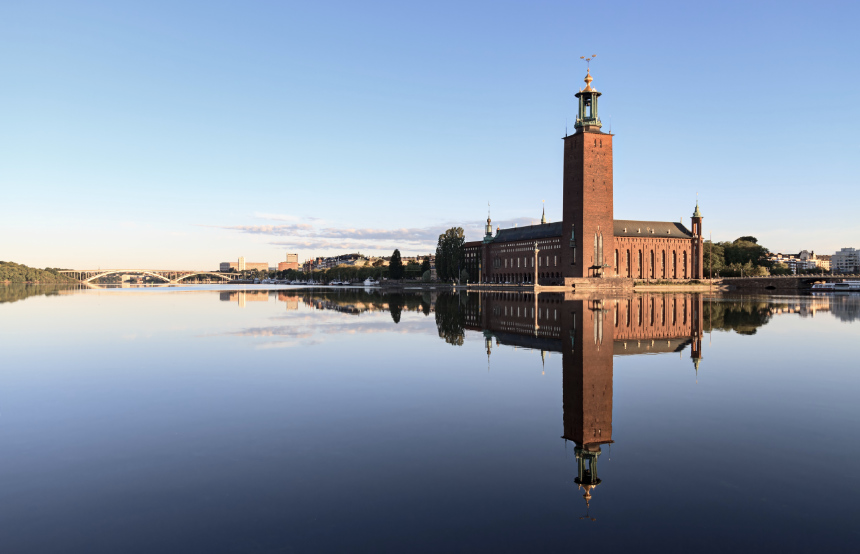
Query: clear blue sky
(182, 134)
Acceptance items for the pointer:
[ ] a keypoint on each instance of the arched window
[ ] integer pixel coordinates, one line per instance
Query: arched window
(674, 264)
(653, 266)
(686, 276)
(600, 249)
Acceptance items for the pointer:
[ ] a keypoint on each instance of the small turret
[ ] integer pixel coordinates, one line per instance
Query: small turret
(696, 221)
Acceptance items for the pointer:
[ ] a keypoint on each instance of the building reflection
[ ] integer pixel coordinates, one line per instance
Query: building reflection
(588, 332)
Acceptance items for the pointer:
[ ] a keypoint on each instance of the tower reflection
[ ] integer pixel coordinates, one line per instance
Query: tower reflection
(589, 331)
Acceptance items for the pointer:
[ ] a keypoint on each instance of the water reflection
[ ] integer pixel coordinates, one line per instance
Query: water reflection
(588, 333)
(396, 436)
(20, 291)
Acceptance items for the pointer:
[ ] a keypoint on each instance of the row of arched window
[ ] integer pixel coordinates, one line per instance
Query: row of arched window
(651, 264)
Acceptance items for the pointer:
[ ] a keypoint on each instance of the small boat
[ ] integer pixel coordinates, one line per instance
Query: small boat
(369, 282)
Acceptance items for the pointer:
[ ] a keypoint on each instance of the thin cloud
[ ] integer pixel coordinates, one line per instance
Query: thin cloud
(269, 229)
(304, 236)
(275, 217)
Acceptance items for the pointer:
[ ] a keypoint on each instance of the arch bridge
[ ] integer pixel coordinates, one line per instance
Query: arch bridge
(164, 275)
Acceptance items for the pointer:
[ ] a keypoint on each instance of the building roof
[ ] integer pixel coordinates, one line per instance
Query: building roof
(654, 229)
(529, 232)
(622, 228)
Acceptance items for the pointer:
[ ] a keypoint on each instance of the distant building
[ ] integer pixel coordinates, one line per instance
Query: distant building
(803, 261)
(291, 263)
(846, 260)
(241, 265)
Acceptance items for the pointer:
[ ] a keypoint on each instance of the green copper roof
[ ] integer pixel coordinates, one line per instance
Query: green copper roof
(697, 213)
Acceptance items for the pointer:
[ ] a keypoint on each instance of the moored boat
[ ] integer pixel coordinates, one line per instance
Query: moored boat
(843, 286)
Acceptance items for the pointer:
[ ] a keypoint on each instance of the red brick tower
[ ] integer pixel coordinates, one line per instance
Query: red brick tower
(588, 240)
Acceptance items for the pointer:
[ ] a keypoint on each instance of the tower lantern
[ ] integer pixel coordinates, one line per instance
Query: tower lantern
(587, 119)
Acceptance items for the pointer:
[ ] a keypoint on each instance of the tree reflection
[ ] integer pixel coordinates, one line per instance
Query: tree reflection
(450, 318)
(741, 317)
(395, 306)
(19, 291)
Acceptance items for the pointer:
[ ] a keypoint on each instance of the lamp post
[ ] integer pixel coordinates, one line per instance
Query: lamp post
(536, 265)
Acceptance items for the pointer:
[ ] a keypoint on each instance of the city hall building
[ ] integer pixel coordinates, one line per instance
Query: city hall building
(588, 244)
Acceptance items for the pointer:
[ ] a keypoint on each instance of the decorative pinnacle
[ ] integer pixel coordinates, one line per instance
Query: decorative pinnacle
(588, 77)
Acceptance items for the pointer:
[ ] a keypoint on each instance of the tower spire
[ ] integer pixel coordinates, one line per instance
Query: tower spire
(543, 213)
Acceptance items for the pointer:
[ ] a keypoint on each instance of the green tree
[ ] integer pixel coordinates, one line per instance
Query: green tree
(395, 266)
(744, 251)
(464, 276)
(450, 255)
(780, 269)
(413, 270)
(425, 265)
(427, 276)
(714, 258)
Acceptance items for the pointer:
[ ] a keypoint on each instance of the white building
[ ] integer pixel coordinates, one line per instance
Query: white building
(846, 260)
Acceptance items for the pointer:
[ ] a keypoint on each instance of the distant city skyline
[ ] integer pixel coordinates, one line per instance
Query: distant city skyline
(167, 135)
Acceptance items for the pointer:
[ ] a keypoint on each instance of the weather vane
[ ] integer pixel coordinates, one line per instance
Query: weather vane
(588, 60)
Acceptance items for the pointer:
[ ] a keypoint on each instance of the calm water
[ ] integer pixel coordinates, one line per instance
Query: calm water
(194, 420)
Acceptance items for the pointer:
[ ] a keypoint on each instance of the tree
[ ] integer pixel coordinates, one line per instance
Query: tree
(449, 253)
(425, 265)
(395, 266)
(748, 239)
(427, 276)
(464, 276)
(780, 269)
(714, 258)
(744, 251)
(412, 270)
